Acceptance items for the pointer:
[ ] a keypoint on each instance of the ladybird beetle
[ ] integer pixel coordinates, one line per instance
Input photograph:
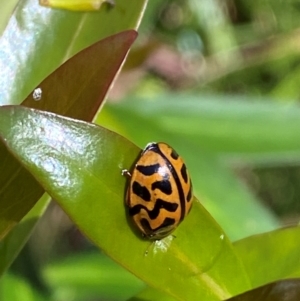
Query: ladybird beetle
(159, 194)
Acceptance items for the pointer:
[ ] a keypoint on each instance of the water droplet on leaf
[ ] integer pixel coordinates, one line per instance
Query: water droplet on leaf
(37, 94)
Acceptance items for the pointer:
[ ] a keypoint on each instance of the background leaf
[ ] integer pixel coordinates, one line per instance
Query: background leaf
(287, 290)
(280, 248)
(237, 129)
(90, 275)
(14, 242)
(14, 288)
(94, 68)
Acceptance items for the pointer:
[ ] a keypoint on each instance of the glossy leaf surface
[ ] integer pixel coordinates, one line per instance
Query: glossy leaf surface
(271, 256)
(79, 165)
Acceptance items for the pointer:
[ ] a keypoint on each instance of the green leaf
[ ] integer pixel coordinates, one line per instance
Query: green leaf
(238, 130)
(90, 276)
(271, 256)
(80, 165)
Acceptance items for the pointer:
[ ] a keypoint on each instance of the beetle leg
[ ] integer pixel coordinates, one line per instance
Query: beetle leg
(126, 173)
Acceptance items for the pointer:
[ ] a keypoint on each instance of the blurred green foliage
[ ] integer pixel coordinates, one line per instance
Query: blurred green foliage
(232, 48)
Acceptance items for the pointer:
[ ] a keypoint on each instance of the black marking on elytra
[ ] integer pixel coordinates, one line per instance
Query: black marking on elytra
(153, 214)
(184, 173)
(176, 178)
(174, 155)
(189, 195)
(141, 191)
(148, 170)
(168, 222)
(164, 186)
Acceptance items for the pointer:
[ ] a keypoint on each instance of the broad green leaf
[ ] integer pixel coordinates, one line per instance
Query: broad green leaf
(239, 213)
(238, 130)
(80, 101)
(271, 256)
(90, 276)
(80, 165)
(285, 290)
